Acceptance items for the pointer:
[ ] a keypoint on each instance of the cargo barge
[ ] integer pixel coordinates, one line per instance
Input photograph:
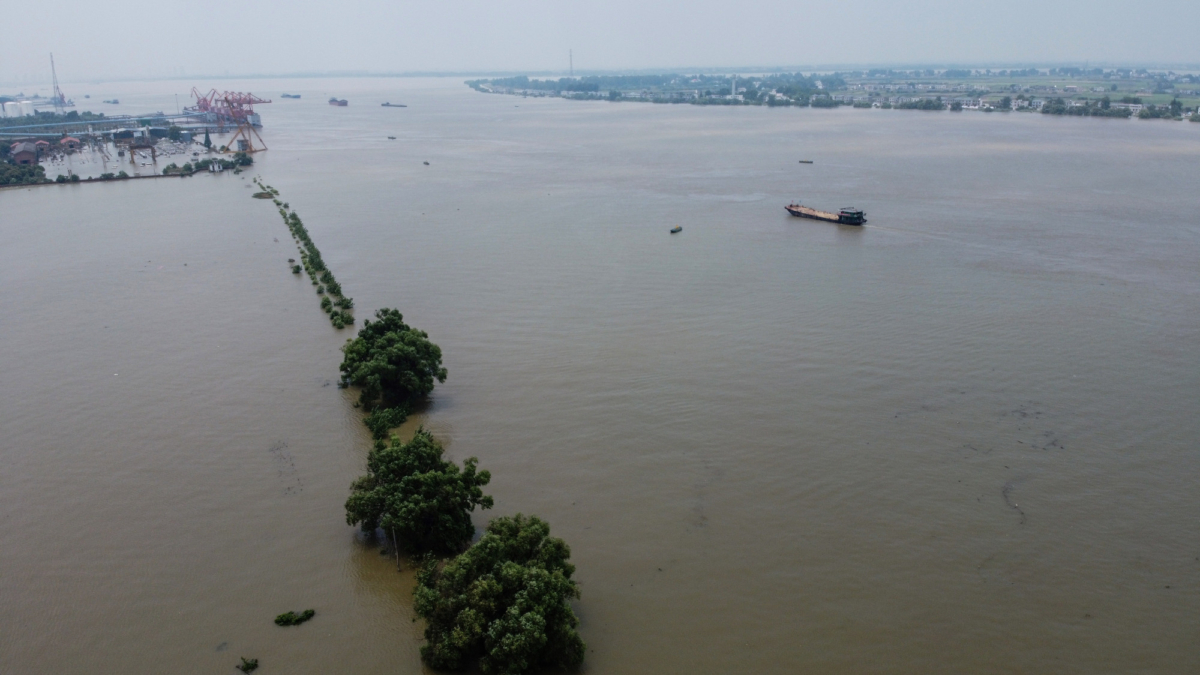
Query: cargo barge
(341, 103)
(842, 217)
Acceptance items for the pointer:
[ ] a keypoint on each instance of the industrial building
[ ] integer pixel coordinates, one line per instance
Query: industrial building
(24, 152)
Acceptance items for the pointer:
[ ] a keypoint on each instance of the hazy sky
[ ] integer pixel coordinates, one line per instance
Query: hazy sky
(140, 38)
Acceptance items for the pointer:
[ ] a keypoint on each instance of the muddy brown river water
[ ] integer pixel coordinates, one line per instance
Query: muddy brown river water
(960, 439)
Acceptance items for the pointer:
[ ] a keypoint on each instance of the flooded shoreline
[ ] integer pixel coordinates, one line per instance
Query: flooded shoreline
(818, 436)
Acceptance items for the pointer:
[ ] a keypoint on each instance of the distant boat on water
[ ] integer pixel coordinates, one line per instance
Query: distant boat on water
(677, 229)
(846, 216)
(339, 102)
(393, 105)
(290, 95)
(806, 161)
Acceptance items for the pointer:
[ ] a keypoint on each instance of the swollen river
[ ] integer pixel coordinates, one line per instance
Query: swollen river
(960, 439)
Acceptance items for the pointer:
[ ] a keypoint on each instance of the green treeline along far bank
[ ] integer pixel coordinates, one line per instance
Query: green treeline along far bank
(503, 604)
(1090, 92)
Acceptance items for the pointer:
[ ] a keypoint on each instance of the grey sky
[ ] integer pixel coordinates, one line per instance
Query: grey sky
(140, 38)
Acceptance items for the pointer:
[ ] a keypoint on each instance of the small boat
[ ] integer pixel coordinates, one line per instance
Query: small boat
(391, 138)
(393, 105)
(341, 103)
(806, 161)
(844, 217)
(290, 95)
(677, 229)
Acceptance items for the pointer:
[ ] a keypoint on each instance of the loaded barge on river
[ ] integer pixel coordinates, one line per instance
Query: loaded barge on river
(843, 217)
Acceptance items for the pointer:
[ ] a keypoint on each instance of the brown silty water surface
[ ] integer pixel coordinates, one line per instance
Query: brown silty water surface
(960, 439)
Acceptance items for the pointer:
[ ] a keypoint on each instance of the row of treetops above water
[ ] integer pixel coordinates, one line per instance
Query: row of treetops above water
(239, 159)
(35, 174)
(329, 290)
(503, 604)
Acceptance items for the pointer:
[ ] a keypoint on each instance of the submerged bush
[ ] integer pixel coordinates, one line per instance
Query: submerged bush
(504, 604)
(393, 363)
(247, 665)
(294, 619)
(411, 491)
(382, 420)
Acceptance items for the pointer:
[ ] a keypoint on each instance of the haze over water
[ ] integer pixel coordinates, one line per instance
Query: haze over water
(960, 439)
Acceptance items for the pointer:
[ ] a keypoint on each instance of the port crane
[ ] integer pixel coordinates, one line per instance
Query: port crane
(233, 108)
(60, 101)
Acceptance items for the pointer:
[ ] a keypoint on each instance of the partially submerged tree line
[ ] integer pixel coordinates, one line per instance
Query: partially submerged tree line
(503, 604)
(311, 262)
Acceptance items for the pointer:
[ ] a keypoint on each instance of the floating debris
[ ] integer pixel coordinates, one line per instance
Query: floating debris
(247, 665)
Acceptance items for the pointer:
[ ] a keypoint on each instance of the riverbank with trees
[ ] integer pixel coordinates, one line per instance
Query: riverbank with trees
(1057, 91)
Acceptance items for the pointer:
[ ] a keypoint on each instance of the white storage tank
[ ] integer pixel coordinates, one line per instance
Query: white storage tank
(12, 109)
(26, 107)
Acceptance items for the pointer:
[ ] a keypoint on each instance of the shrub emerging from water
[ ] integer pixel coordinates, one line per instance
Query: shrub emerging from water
(326, 304)
(419, 497)
(504, 603)
(394, 364)
(294, 619)
(247, 665)
(382, 420)
(340, 320)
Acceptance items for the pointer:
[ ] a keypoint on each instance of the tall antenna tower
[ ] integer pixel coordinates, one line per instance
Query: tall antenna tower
(60, 101)
(571, 60)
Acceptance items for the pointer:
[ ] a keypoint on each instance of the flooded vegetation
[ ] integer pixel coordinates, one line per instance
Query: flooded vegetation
(956, 437)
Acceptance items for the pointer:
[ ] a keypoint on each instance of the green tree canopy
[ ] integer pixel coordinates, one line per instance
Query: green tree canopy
(395, 365)
(411, 491)
(504, 603)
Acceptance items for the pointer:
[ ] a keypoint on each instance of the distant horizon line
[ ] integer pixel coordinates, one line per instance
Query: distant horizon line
(546, 72)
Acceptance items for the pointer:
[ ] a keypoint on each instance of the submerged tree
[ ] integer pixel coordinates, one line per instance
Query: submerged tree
(504, 603)
(424, 501)
(395, 366)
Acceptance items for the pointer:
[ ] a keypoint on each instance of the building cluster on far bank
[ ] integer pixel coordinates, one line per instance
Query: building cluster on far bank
(1059, 91)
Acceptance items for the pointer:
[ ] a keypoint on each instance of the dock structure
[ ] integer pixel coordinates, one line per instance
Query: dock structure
(215, 111)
